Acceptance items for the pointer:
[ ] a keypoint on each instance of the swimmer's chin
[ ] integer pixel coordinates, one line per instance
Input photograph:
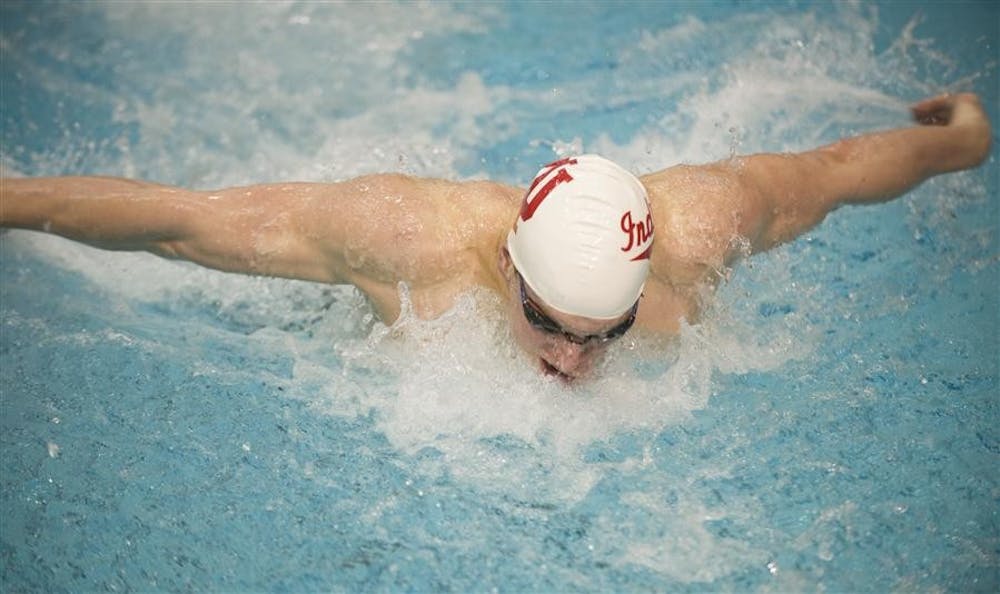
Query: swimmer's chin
(551, 370)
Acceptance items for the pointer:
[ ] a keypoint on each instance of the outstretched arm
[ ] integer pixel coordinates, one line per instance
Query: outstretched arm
(373, 231)
(789, 194)
(355, 231)
(258, 230)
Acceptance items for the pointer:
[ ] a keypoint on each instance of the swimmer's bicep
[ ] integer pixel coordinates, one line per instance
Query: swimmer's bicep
(786, 195)
(259, 230)
(364, 230)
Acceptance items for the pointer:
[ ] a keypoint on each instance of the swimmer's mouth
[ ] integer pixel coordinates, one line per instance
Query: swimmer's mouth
(550, 369)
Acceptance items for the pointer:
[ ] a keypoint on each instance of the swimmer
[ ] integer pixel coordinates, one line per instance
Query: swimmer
(587, 253)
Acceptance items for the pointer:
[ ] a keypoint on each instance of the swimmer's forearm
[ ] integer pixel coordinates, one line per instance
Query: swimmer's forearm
(882, 166)
(954, 134)
(283, 230)
(789, 194)
(110, 213)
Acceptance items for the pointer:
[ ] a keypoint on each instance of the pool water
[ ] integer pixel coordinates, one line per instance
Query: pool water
(832, 424)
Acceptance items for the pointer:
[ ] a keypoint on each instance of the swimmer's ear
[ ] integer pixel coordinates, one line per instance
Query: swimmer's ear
(504, 264)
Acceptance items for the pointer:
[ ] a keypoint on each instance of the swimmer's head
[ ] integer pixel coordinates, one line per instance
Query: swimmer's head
(583, 237)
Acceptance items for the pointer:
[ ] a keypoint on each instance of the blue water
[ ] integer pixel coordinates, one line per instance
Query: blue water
(831, 425)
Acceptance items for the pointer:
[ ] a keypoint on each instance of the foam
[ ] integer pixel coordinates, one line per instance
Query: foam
(461, 389)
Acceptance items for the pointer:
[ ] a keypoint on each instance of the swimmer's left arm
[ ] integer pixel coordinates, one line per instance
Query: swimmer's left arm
(786, 195)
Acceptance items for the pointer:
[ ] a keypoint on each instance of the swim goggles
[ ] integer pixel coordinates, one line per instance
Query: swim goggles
(540, 321)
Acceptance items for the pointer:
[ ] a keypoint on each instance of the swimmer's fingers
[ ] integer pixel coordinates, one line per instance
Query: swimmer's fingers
(935, 111)
(948, 109)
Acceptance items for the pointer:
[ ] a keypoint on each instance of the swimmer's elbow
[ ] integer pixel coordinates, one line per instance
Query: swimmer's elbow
(171, 250)
(791, 193)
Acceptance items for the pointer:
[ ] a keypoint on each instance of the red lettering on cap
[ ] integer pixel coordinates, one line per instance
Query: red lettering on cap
(644, 255)
(532, 200)
(638, 233)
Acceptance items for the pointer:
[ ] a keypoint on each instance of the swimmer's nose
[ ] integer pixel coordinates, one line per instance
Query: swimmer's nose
(571, 359)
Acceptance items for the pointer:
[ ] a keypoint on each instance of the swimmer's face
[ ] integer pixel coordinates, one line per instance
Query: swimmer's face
(565, 346)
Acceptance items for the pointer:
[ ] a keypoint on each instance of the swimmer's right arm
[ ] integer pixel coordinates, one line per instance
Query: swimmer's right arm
(372, 231)
(287, 230)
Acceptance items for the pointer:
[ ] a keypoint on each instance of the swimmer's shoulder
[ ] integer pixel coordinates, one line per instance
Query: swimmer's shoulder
(440, 238)
(429, 203)
(698, 213)
(476, 211)
(487, 200)
(425, 230)
(472, 198)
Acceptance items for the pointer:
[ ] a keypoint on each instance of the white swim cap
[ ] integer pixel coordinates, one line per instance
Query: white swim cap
(583, 238)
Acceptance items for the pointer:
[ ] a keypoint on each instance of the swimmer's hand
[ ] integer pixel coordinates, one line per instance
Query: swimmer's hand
(964, 115)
